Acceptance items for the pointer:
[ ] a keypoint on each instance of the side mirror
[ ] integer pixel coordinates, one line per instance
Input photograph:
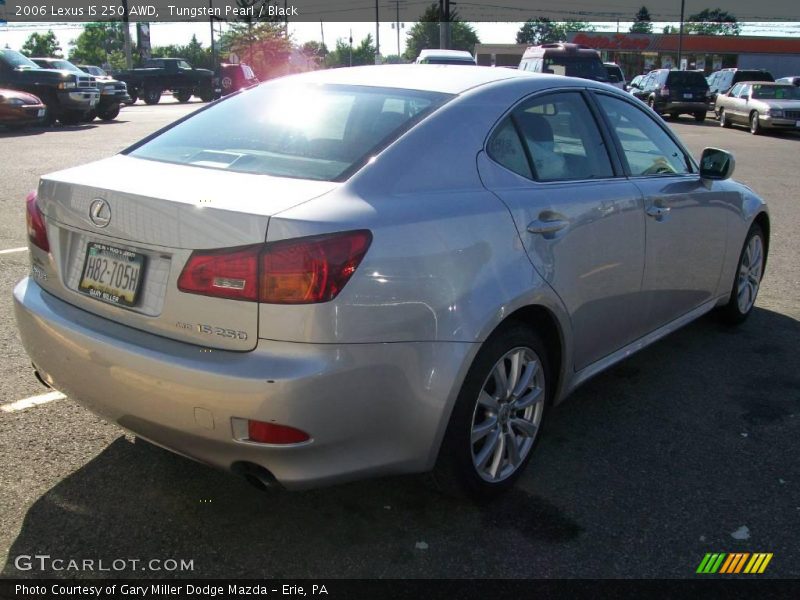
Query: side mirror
(716, 164)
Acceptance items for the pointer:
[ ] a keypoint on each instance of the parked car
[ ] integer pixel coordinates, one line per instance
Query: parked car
(615, 75)
(102, 76)
(289, 332)
(719, 82)
(19, 109)
(673, 93)
(158, 75)
(445, 57)
(792, 79)
(235, 77)
(69, 96)
(112, 92)
(760, 106)
(635, 85)
(572, 60)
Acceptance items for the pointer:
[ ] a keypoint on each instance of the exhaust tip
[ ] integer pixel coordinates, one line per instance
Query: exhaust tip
(257, 476)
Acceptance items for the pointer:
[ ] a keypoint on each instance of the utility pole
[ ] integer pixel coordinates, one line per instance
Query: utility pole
(213, 46)
(680, 35)
(351, 47)
(397, 7)
(377, 34)
(126, 31)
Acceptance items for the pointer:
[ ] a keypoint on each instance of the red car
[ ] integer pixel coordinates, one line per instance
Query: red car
(18, 109)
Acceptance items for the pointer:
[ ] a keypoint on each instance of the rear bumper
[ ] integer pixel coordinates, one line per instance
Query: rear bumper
(682, 107)
(371, 409)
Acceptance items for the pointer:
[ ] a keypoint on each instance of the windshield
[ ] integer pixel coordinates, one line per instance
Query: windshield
(64, 65)
(322, 132)
(94, 71)
(776, 92)
(16, 60)
(586, 68)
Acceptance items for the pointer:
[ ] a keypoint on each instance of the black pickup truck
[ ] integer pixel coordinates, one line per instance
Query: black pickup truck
(69, 96)
(168, 74)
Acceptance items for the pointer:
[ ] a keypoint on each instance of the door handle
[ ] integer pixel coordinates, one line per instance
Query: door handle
(658, 212)
(548, 226)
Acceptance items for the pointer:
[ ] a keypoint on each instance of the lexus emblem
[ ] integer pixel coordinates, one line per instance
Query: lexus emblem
(100, 212)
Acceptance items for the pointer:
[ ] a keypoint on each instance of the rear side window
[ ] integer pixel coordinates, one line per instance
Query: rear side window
(753, 76)
(320, 132)
(647, 148)
(552, 138)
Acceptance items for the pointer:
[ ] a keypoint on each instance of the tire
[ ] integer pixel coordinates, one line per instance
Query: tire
(182, 96)
(90, 116)
(723, 119)
(475, 457)
(755, 126)
(206, 95)
(700, 116)
(651, 103)
(746, 283)
(152, 96)
(111, 113)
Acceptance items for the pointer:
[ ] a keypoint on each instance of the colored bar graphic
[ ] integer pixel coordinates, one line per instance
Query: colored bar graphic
(734, 563)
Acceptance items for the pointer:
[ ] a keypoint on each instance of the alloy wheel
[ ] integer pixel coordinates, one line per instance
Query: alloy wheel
(507, 415)
(750, 271)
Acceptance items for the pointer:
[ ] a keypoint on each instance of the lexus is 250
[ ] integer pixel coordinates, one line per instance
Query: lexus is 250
(378, 270)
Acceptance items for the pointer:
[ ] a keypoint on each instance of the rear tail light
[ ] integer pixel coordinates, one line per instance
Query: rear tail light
(37, 232)
(274, 433)
(299, 271)
(665, 91)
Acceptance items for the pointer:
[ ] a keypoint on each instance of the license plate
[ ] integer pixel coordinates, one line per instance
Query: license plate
(111, 274)
(40, 112)
(687, 96)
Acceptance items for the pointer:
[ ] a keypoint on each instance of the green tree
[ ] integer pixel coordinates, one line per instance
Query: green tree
(643, 23)
(712, 22)
(670, 29)
(424, 34)
(42, 44)
(193, 52)
(363, 54)
(99, 44)
(544, 31)
(264, 46)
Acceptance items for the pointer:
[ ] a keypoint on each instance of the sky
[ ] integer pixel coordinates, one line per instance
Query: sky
(162, 34)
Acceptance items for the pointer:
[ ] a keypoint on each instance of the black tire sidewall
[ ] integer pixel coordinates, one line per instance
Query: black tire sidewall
(455, 470)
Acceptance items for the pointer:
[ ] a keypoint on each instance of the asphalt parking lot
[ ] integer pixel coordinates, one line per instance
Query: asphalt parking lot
(689, 447)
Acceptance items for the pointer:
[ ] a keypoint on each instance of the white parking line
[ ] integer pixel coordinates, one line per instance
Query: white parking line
(10, 250)
(27, 403)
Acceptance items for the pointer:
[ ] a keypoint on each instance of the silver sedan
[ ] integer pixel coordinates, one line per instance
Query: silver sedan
(378, 270)
(760, 106)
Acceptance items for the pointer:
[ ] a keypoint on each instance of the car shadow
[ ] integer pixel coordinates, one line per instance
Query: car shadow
(638, 449)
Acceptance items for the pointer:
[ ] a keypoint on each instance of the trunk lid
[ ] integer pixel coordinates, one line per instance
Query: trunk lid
(152, 215)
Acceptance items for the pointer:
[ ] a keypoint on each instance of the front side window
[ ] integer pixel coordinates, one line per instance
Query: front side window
(182, 64)
(646, 147)
(557, 136)
(734, 93)
(303, 131)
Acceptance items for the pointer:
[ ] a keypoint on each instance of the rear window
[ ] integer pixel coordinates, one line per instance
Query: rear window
(293, 130)
(753, 76)
(574, 66)
(687, 78)
(447, 61)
